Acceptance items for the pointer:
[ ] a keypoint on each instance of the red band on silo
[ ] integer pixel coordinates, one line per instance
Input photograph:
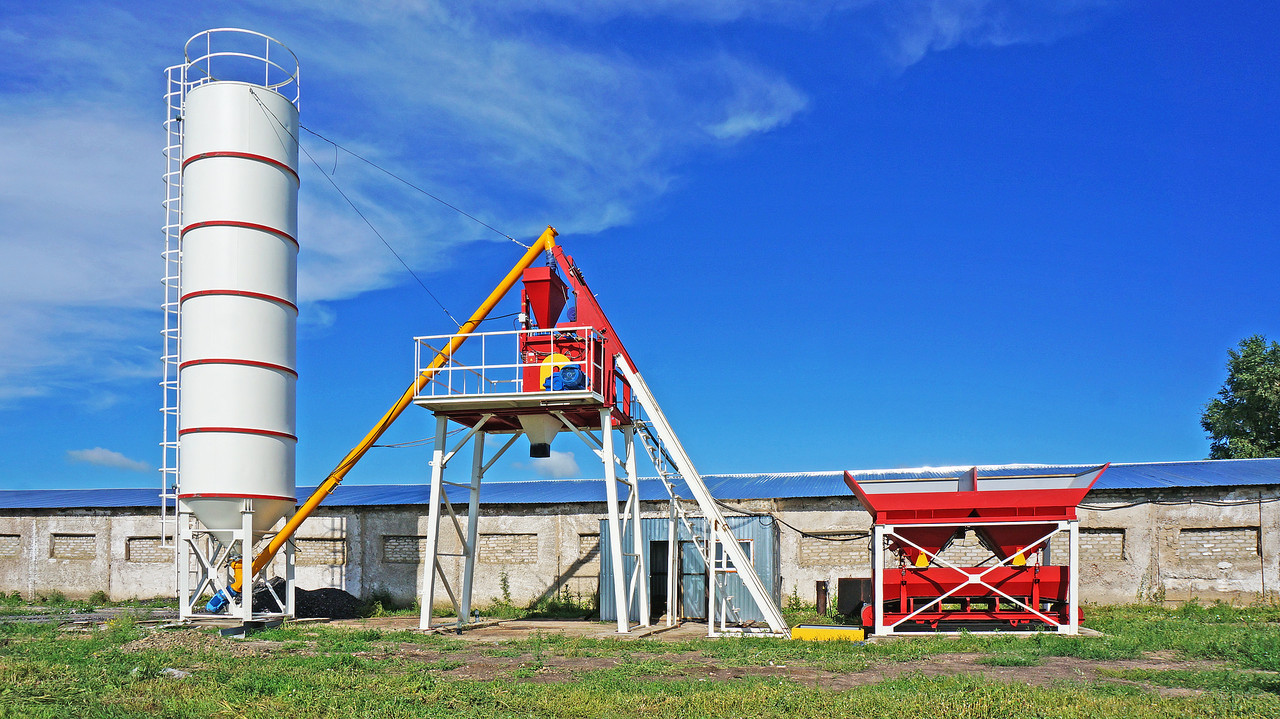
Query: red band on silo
(242, 225)
(228, 495)
(244, 156)
(241, 293)
(244, 362)
(237, 430)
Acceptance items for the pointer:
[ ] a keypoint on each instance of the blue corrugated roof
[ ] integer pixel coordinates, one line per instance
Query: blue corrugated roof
(1158, 475)
(1205, 473)
(78, 498)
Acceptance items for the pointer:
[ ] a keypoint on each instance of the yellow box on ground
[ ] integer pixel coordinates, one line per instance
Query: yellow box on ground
(826, 633)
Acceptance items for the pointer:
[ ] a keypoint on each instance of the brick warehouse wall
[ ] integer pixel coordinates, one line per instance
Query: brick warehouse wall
(1173, 549)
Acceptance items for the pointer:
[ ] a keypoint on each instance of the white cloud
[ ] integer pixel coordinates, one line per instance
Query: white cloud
(760, 103)
(107, 458)
(79, 253)
(524, 129)
(479, 103)
(559, 465)
(518, 129)
(916, 29)
(80, 208)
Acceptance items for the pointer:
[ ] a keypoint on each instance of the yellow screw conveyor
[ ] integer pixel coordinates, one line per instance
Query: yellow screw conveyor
(545, 243)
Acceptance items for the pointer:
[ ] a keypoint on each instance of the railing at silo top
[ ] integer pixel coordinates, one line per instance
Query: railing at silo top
(233, 54)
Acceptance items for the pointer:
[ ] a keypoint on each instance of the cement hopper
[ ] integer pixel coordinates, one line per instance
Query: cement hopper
(1013, 512)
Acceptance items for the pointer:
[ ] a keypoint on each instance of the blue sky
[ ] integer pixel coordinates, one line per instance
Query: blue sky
(864, 234)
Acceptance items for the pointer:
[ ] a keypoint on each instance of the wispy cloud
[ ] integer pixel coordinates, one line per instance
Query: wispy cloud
(518, 132)
(482, 103)
(560, 465)
(916, 29)
(107, 458)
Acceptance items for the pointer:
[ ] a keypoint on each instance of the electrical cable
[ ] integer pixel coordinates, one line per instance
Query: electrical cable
(417, 442)
(848, 536)
(379, 168)
(362, 216)
(1182, 503)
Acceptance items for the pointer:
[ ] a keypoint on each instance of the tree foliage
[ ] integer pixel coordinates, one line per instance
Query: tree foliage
(1244, 421)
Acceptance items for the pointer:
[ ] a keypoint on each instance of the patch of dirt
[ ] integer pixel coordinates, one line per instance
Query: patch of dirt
(484, 660)
(1050, 670)
(194, 640)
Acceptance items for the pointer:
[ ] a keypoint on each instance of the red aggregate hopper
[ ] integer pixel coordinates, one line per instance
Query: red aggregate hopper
(1013, 514)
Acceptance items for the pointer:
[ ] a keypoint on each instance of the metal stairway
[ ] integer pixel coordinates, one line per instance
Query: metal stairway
(662, 461)
(667, 453)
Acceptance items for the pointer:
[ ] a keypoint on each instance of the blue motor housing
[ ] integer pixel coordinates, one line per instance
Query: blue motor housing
(220, 601)
(568, 377)
(572, 377)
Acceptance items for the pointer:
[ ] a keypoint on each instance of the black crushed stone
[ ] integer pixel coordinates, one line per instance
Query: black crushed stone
(326, 603)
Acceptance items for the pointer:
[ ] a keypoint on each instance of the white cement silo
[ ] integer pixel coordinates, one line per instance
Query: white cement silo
(237, 364)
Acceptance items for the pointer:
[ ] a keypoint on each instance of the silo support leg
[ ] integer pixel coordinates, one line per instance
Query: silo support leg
(246, 557)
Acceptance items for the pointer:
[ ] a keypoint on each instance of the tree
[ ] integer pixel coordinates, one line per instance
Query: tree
(1244, 421)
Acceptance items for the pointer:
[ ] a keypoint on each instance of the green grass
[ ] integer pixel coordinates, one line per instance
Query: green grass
(320, 671)
(1010, 659)
(14, 604)
(1233, 680)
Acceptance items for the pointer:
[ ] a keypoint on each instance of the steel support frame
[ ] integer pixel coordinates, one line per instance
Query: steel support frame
(468, 538)
(629, 589)
(881, 533)
(211, 565)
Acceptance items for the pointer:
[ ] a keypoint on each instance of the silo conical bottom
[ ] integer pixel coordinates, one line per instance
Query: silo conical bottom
(221, 515)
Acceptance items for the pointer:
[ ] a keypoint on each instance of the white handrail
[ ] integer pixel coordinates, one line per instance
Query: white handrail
(288, 75)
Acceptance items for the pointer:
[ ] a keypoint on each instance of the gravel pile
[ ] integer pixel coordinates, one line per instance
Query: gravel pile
(327, 603)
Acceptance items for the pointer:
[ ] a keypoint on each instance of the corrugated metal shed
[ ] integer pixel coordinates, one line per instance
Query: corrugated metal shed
(1150, 475)
(760, 533)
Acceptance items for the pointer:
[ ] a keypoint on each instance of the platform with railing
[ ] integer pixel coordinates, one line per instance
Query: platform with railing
(519, 372)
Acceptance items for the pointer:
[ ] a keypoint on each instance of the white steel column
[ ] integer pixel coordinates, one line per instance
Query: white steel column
(433, 524)
(246, 558)
(614, 523)
(1073, 578)
(473, 515)
(877, 577)
(673, 549)
(290, 559)
(710, 561)
(637, 529)
(184, 563)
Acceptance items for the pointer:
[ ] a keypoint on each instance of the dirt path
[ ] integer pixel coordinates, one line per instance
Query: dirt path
(490, 657)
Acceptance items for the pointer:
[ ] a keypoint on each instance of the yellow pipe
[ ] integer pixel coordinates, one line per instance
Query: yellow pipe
(544, 244)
